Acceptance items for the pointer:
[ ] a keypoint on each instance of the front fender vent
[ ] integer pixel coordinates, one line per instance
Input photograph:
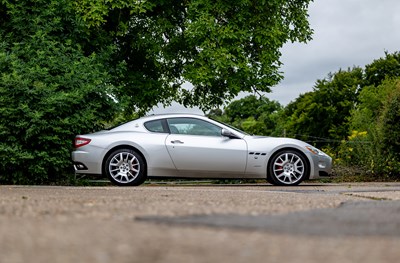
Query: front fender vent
(257, 153)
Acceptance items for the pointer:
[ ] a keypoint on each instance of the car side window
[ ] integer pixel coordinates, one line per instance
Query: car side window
(191, 126)
(155, 126)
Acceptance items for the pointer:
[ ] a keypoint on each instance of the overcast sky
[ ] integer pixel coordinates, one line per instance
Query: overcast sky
(347, 33)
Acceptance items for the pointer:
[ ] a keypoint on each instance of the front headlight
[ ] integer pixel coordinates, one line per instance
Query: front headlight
(314, 150)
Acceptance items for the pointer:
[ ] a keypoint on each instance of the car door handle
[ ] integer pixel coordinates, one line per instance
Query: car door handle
(177, 141)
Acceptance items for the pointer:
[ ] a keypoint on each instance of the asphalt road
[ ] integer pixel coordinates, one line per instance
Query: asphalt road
(201, 223)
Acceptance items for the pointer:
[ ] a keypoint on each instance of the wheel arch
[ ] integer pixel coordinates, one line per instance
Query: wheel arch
(119, 147)
(290, 148)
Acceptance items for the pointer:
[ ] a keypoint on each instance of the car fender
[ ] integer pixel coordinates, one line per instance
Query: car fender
(269, 146)
(296, 147)
(152, 148)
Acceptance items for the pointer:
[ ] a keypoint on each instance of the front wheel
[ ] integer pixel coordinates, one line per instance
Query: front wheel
(287, 167)
(125, 167)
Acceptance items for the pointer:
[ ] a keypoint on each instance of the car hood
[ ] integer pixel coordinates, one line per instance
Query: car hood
(269, 138)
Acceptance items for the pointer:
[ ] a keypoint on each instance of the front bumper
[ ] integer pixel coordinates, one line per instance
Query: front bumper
(322, 166)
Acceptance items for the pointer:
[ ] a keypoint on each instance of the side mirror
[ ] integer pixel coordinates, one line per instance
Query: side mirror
(226, 133)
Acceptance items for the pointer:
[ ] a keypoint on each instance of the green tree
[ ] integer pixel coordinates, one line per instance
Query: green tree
(221, 47)
(251, 114)
(377, 117)
(66, 65)
(321, 116)
(382, 68)
(379, 82)
(389, 126)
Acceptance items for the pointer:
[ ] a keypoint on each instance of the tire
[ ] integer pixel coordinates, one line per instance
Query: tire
(288, 167)
(125, 167)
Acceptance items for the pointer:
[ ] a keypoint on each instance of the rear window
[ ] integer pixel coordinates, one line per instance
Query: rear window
(155, 126)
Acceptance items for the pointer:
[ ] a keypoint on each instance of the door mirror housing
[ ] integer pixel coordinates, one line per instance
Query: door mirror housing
(229, 134)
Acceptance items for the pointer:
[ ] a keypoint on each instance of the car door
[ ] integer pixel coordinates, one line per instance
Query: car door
(197, 147)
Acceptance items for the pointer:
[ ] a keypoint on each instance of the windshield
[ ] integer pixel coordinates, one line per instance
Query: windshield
(230, 126)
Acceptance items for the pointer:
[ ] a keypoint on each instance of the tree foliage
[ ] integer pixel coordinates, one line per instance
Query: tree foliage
(373, 143)
(49, 91)
(66, 66)
(221, 47)
(380, 69)
(321, 116)
(390, 122)
(251, 114)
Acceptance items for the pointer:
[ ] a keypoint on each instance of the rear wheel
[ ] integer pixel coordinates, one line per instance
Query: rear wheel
(287, 167)
(125, 167)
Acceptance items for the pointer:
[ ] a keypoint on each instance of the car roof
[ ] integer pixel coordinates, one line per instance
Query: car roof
(171, 115)
(137, 124)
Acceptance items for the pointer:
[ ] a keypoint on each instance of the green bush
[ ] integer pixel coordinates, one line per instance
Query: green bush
(389, 128)
(374, 142)
(50, 90)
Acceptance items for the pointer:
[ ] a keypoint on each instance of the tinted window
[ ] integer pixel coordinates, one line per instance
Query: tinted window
(154, 126)
(193, 127)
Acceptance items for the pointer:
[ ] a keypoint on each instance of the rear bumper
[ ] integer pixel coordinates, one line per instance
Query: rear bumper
(85, 163)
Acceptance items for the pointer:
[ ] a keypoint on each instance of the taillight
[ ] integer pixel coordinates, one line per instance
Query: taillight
(79, 142)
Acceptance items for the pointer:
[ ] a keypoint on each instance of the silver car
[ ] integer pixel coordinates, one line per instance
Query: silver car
(193, 146)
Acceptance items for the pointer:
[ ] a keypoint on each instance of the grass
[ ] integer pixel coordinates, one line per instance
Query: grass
(355, 174)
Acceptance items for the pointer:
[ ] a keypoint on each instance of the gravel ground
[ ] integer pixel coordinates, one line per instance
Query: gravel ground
(100, 224)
